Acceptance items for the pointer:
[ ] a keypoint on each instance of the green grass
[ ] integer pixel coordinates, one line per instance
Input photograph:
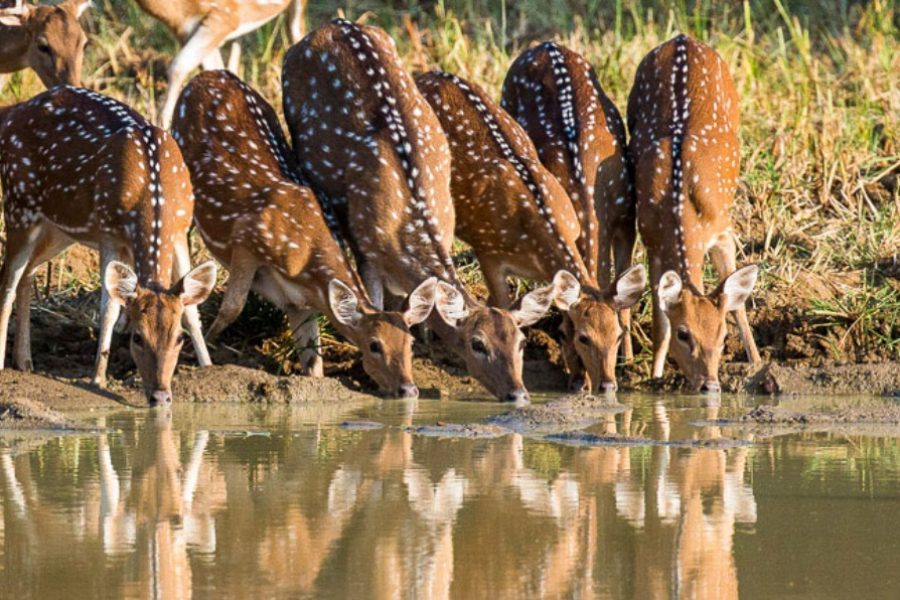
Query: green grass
(818, 206)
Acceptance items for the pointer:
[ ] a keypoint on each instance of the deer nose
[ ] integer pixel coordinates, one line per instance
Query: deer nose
(409, 390)
(608, 386)
(517, 396)
(710, 387)
(161, 398)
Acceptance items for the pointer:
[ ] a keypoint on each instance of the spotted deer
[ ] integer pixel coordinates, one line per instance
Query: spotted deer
(683, 117)
(47, 39)
(554, 94)
(519, 221)
(203, 26)
(372, 147)
(259, 218)
(79, 167)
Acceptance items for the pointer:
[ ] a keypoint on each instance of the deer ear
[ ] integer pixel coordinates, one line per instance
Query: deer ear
(669, 290)
(630, 287)
(450, 304)
(738, 287)
(344, 303)
(420, 302)
(567, 290)
(120, 282)
(534, 305)
(196, 286)
(12, 20)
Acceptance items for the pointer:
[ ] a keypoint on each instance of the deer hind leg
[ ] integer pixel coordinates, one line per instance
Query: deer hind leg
(623, 250)
(662, 331)
(305, 331)
(374, 283)
(495, 280)
(206, 39)
(47, 247)
(109, 314)
(191, 316)
(20, 245)
(723, 257)
(241, 273)
(295, 20)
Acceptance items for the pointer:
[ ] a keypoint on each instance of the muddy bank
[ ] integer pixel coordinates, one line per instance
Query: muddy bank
(231, 383)
(568, 413)
(21, 413)
(63, 393)
(583, 438)
(888, 413)
(878, 379)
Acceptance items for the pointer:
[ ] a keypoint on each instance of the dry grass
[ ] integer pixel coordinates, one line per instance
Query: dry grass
(819, 81)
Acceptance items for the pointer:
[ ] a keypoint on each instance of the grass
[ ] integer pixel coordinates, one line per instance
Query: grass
(818, 207)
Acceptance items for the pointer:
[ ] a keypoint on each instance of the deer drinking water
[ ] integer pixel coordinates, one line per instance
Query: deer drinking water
(261, 221)
(554, 94)
(77, 166)
(683, 117)
(203, 26)
(47, 38)
(370, 144)
(520, 221)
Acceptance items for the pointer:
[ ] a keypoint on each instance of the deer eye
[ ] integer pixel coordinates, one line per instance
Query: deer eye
(42, 46)
(375, 347)
(478, 347)
(583, 339)
(683, 334)
(137, 340)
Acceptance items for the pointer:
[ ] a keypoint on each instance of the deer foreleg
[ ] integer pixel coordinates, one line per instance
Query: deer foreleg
(109, 314)
(295, 20)
(191, 313)
(19, 247)
(240, 280)
(723, 254)
(305, 331)
(662, 331)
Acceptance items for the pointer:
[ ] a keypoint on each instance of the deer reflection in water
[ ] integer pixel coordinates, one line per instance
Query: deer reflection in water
(387, 513)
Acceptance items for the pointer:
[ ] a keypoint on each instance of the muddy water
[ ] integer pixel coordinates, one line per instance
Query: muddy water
(320, 501)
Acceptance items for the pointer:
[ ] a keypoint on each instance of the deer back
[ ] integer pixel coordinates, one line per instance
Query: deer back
(250, 195)
(367, 140)
(683, 117)
(508, 206)
(98, 172)
(554, 94)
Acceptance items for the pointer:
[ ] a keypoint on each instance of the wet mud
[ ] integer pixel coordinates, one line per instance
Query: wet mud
(583, 438)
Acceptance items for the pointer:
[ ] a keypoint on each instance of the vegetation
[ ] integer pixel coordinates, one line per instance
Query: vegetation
(819, 80)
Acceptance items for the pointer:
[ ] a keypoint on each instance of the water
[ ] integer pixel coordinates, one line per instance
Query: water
(244, 501)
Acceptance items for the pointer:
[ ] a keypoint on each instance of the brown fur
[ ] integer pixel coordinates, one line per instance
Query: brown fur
(683, 116)
(372, 147)
(47, 39)
(261, 221)
(104, 177)
(518, 218)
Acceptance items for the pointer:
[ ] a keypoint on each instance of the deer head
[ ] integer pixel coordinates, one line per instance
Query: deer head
(55, 40)
(383, 337)
(698, 322)
(594, 328)
(155, 317)
(491, 340)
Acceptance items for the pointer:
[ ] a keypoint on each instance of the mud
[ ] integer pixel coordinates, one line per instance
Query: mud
(567, 413)
(583, 438)
(455, 430)
(830, 379)
(21, 413)
(232, 383)
(771, 415)
(361, 425)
